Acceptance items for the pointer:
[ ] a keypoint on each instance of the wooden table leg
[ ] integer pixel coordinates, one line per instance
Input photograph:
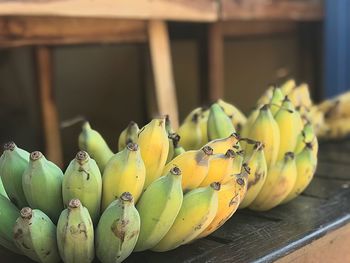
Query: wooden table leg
(216, 62)
(162, 70)
(49, 113)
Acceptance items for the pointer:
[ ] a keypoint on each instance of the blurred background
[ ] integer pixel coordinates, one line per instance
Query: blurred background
(112, 83)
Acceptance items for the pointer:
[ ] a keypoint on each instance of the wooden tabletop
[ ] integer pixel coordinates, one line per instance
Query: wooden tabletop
(268, 236)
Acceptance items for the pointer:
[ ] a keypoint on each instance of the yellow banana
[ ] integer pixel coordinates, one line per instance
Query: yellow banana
(279, 183)
(194, 166)
(129, 134)
(250, 121)
(198, 209)
(237, 117)
(222, 145)
(220, 166)
(154, 147)
(276, 100)
(288, 86)
(306, 164)
(125, 172)
(203, 123)
(236, 166)
(338, 128)
(300, 96)
(257, 176)
(190, 131)
(337, 107)
(219, 124)
(266, 96)
(265, 129)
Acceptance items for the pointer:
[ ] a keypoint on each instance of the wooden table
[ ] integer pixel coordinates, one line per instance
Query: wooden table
(315, 227)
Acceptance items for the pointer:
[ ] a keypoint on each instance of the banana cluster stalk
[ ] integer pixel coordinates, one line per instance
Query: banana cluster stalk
(42, 185)
(75, 234)
(82, 180)
(117, 230)
(35, 236)
(13, 162)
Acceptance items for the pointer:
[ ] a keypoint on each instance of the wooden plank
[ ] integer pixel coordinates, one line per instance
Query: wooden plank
(198, 10)
(21, 31)
(334, 247)
(50, 120)
(257, 28)
(216, 62)
(162, 70)
(295, 10)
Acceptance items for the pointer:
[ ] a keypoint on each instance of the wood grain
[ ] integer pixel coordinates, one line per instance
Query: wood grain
(22, 31)
(196, 10)
(162, 70)
(296, 10)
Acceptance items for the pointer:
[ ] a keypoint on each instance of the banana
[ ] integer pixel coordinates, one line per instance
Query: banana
(237, 117)
(42, 185)
(257, 176)
(75, 234)
(266, 96)
(276, 100)
(279, 183)
(288, 86)
(248, 125)
(338, 128)
(8, 216)
(154, 147)
(13, 162)
(35, 235)
(306, 164)
(82, 180)
(124, 172)
(220, 166)
(176, 148)
(129, 134)
(194, 166)
(265, 129)
(171, 137)
(224, 144)
(290, 125)
(117, 230)
(2, 189)
(219, 124)
(198, 209)
(300, 96)
(190, 132)
(229, 197)
(92, 142)
(337, 107)
(158, 208)
(306, 136)
(203, 124)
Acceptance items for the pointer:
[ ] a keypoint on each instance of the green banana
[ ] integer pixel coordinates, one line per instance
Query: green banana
(8, 216)
(92, 142)
(198, 209)
(75, 234)
(158, 208)
(117, 230)
(237, 117)
(82, 180)
(190, 132)
(42, 185)
(129, 134)
(35, 236)
(276, 100)
(219, 124)
(124, 172)
(13, 162)
(2, 189)
(203, 123)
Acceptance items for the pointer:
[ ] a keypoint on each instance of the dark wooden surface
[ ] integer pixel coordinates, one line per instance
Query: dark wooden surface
(266, 236)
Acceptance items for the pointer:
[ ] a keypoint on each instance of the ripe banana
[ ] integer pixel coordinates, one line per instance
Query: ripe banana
(42, 185)
(266, 96)
(219, 124)
(300, 96)
(124, 172)
(13, 162)
(224, 144)
(337, 107)
(8, 216)
(265, 129)
(92, 142)
(276, 100)
(129, 134)
(158, 208)
(288, 86)
(257, 176)
(194, 166)
(306, 164)
(203, 123)
(154, 147)
(117, 230)
(198, 209)
(220, 166)
(75, 234)
(229, 197)
(82, 180)
(289, 124)
(237, 117)
(279, 183)
(190, 131)
(35, 235)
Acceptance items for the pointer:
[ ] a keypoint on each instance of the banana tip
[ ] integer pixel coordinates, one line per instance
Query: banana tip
(74, 203)
(82, 156)
(9, 146)
(36, 155)
(132, 146)
(26, 213)
(126, 196)
(216, 186)
(175, 170)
